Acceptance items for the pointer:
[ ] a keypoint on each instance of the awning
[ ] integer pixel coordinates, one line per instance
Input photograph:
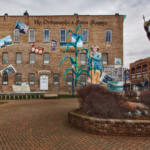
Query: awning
(137, 83)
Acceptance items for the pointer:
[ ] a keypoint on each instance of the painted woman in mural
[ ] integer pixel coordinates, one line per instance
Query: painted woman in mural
(95, 57)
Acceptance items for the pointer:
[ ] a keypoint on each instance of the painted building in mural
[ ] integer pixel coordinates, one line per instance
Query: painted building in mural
(33, 46)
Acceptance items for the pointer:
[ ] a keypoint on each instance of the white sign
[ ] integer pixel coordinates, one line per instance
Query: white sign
(44, 71)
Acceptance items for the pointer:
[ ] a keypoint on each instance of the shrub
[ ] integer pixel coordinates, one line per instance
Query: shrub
(41, 96)
(37, 96)
(20, 96)
(130, 94)
(96, 101)
(3, 97)
(28, 96)
(24, 96)
(145, 98)
(7, 96)
(33, 96)
(16, 97)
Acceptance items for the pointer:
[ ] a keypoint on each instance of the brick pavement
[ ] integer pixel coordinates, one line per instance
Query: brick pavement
(43, 125)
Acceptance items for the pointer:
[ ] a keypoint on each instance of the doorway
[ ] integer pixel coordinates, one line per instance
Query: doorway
(43, 82)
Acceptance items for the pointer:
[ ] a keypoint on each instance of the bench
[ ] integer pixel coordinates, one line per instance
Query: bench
(50, 95)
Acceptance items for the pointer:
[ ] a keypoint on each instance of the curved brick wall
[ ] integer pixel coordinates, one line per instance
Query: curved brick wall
(109, 126)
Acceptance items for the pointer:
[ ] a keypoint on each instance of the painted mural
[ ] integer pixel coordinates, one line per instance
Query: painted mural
(80, 42)
(7, 41)
(117, 61)
(115, 86)
(22, 27)
(10, 70)
(36, 49)
(54, 45)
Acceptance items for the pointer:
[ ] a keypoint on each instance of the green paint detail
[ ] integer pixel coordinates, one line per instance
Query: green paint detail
(78, 71)
(124, 16)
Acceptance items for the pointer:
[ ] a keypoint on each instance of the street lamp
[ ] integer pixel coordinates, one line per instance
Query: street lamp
(125, 69)
(72, 82)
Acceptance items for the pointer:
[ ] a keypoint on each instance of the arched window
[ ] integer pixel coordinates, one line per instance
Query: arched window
(18, 79)
(83, 58)
(5, 79)
(104, 58)
(69, 79)
(32, 79)
(18, 58)
(56, 79)
(32, 58)
(5, 58)
(46, 58)
(108, 36)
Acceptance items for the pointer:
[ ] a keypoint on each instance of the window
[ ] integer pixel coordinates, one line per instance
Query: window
(5, 58)
(5, 79)
(69, 79)
(145, 76)
(83, 78)
(18, 58)
(46, 35)
(18, 79)
(133, 77)
(138, 76)
(56, 79)
(83, 59)
(16, 35)
(46, 58)
(85, 35)
(31, 35)
(32, 58)
(32, 79)
(104, 58)
(108, 35)
(62, 35)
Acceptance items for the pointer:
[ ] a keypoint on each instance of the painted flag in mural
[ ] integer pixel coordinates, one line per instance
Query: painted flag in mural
(54, 45)
(7, 41)
(22, 27)
(10, 70)
(37, 50)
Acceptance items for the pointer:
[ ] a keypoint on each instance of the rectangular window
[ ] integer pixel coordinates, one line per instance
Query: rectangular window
(104, 59)
(16, 35)
(56, 79)
(18, 79)
(18, 58)
(46, 58)
(85, 35)
(83, 59)
(62, 35)
(5, 58)
(108, 35)
(133, 77)
(5, 79)
(32, 58)
(69, 79)
(46, 35)
(139, 76)
(31, 35)
(32, 79)
(145, 76)
(83, 79)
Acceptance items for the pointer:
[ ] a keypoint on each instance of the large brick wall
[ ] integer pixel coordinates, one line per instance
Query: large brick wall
(96, 37)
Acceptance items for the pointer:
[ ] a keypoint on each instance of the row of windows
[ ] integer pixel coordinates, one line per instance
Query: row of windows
(32, 79)
(46, 58)
(62, 35)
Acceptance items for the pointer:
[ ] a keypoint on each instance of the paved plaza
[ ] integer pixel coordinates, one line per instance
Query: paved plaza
(43, 125)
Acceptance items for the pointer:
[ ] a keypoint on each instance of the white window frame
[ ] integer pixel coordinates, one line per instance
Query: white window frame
(86, 35)
(60, 35)
(110, 36)
(31, 82)
(48, 37)
(3, 58)
(5, 82)
(29, 35)
(85, 79)
(81, 62)
(19, 82)
(15, 36)
(31, 62)
(17, 62)
(55, 83)
(104, 62)
(45, 61)
(69, 83)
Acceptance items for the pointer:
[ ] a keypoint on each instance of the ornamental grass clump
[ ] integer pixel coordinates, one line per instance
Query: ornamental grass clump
(145, 98)
(96, 101)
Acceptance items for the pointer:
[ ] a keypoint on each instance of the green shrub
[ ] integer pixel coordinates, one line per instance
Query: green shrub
(20, 96)
(3, 96)
(28, 96)
(37, 96)
(24, 96)
(33, 96)
(41, 96)
(16, 97)
(7, 96)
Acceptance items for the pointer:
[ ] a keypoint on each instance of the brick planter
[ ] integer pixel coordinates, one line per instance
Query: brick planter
(109, 126)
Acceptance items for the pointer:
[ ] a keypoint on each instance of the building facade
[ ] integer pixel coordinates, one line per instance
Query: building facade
(139, 74)
(105, 31)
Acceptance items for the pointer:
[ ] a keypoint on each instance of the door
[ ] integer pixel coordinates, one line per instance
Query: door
(43, 82)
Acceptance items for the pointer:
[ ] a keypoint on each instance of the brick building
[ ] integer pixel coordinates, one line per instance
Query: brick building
(139, 74)
(105, 31)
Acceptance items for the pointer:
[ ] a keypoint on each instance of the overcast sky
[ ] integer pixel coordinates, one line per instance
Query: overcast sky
(136, 43)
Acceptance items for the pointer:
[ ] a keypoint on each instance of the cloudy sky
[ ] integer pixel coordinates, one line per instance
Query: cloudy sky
(136, 43)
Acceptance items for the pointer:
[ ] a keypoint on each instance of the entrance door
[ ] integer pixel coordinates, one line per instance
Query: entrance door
(43, 82)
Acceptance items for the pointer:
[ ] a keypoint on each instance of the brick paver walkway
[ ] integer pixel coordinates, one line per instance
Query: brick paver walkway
(43, 125)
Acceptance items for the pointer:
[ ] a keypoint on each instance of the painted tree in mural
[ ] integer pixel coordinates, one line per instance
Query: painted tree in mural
(78, 71)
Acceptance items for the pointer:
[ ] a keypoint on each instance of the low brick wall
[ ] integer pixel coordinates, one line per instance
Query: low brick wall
(109, 126)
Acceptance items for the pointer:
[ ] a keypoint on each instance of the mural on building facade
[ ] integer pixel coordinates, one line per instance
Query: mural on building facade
(24, 87)
(54, 45)
(115, 86)
(147, 27)
(7, 41)
(10, 70)
(76, 71)
(117, 61)
(80, 42)
(22, 27)
(37, 50)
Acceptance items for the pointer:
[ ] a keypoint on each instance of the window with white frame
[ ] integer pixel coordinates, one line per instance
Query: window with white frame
(32, 79)
(5, 58)
(83, 58)
(62, 35)
(145, 76)
(108, 36)
(31, 35)
(18, 79)
(133, 77)
(69, 79)
(56, 79)
(5, 79)
(18, 58)
(83, 79)
(16, 35)
(139, 76)
(104, 58)
(46, 58)
(46, 35)
(32, 58)
(85, 35)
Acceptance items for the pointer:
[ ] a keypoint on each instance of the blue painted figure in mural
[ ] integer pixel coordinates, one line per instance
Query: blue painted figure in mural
(96, 64)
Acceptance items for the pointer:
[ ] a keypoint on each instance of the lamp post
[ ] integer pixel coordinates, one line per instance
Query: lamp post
(125, 69)
(72, 82)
